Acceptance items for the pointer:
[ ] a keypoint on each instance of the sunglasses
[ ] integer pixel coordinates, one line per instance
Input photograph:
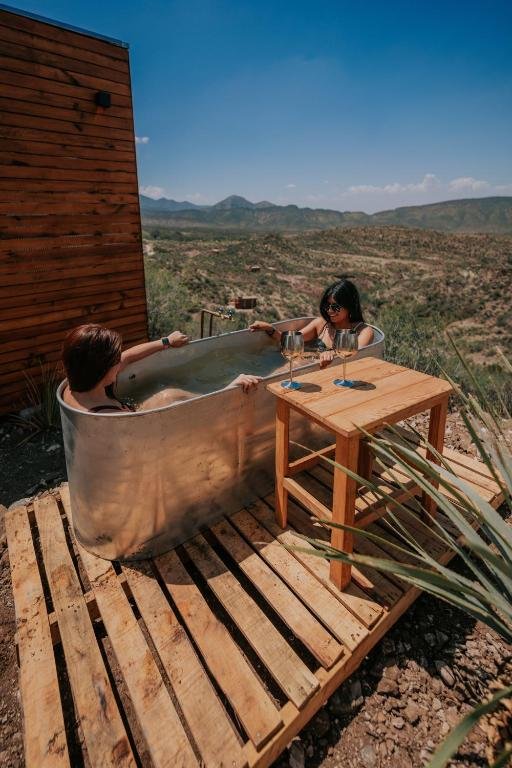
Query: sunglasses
(333, 307)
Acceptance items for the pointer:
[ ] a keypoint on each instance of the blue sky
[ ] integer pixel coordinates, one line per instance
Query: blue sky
(344, 105)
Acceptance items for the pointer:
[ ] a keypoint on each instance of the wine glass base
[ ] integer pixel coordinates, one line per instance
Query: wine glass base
(290, 384)
(343, 382)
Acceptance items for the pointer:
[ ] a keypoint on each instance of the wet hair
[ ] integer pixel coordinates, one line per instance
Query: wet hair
(346, 295)
(88, 353)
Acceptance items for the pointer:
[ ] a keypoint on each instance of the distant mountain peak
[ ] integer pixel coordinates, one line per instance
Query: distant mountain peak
(234, 201)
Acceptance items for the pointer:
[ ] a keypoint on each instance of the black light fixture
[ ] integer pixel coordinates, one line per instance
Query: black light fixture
(102, 99)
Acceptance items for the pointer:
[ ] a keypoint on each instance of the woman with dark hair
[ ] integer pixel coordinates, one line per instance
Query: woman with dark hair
(340, 307)
(92, 360)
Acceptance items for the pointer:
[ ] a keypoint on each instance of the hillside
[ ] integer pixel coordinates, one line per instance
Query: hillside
(415, 284)
(235, 213)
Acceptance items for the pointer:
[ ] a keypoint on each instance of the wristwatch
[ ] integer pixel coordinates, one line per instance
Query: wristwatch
(270, 332)
(165, 341)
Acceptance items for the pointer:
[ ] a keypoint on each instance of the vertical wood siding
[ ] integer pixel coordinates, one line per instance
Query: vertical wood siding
(70, 234)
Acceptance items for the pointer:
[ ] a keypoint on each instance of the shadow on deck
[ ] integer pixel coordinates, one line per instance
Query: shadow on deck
(215, 654)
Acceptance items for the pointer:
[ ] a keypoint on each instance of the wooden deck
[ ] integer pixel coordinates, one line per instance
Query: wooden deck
(215, 654)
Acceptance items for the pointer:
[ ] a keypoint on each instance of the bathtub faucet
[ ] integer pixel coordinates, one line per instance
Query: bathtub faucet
(225, 313)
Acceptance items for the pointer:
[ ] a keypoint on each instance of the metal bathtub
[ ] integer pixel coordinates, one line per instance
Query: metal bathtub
(141, 483)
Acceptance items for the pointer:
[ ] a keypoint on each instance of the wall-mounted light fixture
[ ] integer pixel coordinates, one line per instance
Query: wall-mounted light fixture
(102, 99)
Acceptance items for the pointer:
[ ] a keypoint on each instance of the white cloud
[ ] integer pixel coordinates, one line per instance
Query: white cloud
(468, 183)
(197, 196)
(291, 186)
(142, 139)
(503, 189)
(427, 184)
(151, 191)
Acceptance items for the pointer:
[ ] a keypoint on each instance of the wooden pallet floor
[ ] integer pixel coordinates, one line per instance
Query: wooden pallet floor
(215, 654)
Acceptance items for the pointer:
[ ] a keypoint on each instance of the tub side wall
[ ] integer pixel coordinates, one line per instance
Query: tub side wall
(142, 483)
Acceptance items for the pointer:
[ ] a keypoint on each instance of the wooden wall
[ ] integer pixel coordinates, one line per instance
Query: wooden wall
(70, 234)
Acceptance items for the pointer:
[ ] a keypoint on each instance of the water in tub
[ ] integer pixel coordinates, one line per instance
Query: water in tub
(206, 372)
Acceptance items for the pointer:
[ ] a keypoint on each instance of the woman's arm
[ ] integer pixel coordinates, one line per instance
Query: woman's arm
(309, 332)
(365, 337)
(175, 339)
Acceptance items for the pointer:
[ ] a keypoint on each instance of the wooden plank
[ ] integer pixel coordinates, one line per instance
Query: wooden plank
(285, 666)
(67, 174)
(206, 717)
(295, 720)
(122, 324)
(379, 587)
(282, 443)
(66, 128)
(314, 505)
(166, 739)
(66, 63)
(59, 75)
(320, 601)
(412, 399)
(358, 601)
(280, 597)
(99, 266)
(56, 89)
(100, 118)
(44, 737)
(70, 161)
(44, 304)
(343, 507)
(222, 656)
(55, 254)
(310, 460)
(47, 29)
(133, 305)
(77, 49)
(385, 379)
(67, 186)
(78, 142)
(97, 713)
(37, 151)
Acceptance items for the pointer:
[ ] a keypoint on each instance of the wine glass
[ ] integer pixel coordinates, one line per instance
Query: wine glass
(345, 345)
(292, 346)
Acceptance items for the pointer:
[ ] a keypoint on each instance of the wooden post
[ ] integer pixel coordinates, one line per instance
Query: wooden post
(282, 447)
(436, 431)
(365, 462)
(343, 506)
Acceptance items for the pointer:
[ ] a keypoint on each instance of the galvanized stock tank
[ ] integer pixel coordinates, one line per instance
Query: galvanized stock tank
(141, 483)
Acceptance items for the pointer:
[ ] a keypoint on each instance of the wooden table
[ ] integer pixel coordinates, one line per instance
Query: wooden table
(392, 393)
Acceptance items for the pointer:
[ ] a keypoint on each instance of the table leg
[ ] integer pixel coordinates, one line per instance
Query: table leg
(365, 461)
(343, 506)
(436, 431)
(282, 465)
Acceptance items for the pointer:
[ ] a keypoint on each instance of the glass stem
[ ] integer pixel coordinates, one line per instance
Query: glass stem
(291, 371)
(344, 369)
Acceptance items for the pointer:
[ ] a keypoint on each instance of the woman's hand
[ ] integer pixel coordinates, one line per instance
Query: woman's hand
(177, 339)
(261, 325)
(246, 381)
(326, 358)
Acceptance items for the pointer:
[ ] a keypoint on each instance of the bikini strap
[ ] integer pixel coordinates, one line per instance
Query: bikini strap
(358, 325)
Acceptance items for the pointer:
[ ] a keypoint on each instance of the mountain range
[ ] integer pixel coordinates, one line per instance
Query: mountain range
(487, 214)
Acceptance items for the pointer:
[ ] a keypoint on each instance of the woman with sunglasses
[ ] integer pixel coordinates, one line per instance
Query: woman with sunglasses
(340, 307)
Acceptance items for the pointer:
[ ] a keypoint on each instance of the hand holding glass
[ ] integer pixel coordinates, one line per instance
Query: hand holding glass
(292, 346)
(345, 345)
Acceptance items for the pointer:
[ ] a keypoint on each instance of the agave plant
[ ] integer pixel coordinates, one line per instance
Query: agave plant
(469, 526)
(40, 402)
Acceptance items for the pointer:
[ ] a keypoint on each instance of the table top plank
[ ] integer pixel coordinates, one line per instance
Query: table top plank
(397, 392)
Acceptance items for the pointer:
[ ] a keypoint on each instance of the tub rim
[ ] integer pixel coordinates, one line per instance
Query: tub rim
(130, 414)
